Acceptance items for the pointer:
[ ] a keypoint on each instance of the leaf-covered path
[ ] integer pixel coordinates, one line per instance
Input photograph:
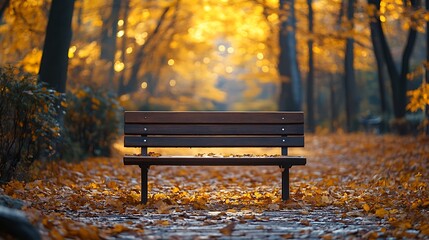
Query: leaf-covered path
(357, 186)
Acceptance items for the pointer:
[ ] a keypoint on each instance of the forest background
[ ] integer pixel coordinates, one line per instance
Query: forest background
(338, 61)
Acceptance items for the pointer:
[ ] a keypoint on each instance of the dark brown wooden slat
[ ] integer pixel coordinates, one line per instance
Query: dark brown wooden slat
(213, 117)
(214, 161)
(213, 141)
(213, 129)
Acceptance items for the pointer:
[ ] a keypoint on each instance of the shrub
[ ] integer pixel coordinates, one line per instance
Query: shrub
(28, 124)
(92, 122)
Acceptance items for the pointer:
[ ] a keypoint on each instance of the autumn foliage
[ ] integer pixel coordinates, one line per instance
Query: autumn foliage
(91, 121)
(367, 176)
(28, 124)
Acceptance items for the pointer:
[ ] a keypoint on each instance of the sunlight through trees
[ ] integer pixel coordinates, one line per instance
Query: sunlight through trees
(236, 55)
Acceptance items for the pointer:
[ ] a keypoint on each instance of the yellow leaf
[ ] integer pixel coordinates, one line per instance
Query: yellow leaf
(118, 228)
(415, 205)
(163, 207)
(175, 189)
(366, 207)
(326, 200)
(163, 222)
(381, 212)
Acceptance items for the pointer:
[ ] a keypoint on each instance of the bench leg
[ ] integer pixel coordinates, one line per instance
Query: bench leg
(285, 183)
(144, 170)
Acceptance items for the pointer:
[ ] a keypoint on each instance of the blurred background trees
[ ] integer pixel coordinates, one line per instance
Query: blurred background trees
(343, 62)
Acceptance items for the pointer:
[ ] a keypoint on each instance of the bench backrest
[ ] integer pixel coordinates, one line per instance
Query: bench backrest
(213, 129)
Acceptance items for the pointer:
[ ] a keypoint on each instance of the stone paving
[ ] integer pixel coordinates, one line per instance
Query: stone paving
(324, 223)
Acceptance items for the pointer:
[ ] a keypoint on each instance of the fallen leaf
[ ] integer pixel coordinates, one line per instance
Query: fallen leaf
(163, 222)
(366, 207)
(273, 207)
(228, 229)
(287, 236)
(305, 222)
(381, 212)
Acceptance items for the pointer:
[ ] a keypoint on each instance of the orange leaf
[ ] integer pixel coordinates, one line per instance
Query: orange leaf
(381, 212)
(56, 235)
(366, 207)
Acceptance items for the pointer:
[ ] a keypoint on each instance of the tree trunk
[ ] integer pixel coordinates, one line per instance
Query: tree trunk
(54, 63)
(352, 106)
(427, 67)
(378, 53)
(3, 5)
(398, 78)
(142, 53)
(310, 76)
(132, 84)
(290, 87)
(108, 40)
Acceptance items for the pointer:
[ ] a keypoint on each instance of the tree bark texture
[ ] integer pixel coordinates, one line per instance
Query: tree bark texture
(378, 53)
(290, 86)
(310, 76)
(352, 105)
(54, 63)
(427, 66)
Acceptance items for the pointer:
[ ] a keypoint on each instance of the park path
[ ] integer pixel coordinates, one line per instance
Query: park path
(325, 223)
(353, 187)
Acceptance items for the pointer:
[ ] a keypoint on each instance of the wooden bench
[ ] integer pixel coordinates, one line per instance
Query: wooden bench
(213, 129)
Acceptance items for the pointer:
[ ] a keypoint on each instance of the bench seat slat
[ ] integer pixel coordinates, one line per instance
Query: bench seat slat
(212, 141)
(213, 117)
(214, 161)
(215, 129)
(156, 129)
